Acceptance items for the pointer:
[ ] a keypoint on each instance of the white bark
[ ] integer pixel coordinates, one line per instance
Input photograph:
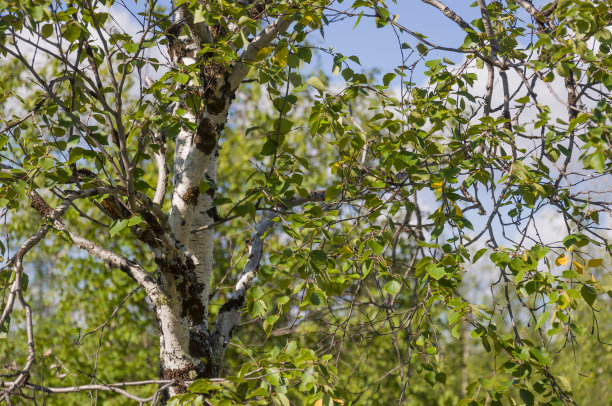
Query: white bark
(229, 314)
(188, 169)
(162, 174)
(174, 339)
(201, 244)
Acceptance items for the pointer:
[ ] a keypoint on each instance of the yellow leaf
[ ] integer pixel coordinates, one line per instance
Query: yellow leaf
(579, 268)
(263, 53)
(554, 317)
(562, 260)
(458, 211)
(595, 262)
(525, 256)
(346, 250)
(281, 57)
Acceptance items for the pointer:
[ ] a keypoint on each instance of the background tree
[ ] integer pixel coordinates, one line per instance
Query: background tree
(298, 238)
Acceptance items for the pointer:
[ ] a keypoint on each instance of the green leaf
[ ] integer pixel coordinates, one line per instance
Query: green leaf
(478, 254)
(182, 78)
(392, 287)
(564, 383)
(589, 294)
(283, 400)
(316, 83)
(47, 30)
(563, 69)
(4, 327)
(318, 256)
(383, 12)
(117, 226)
(523, 100)
(72, 32)
(435, 271)
(25, 281)
(598, 161)
(430, 378)
(376, 247)
(203, 385)
(388, 78)
(332, 192)
(541, 355)
(269, 148)
(595, 262)
(134, 220)
(268, 324)
(198, 14)
(257, 308)
(542, 319)
(527, 397)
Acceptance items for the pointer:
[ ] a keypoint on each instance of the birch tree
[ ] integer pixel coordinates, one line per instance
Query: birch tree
(348, 207)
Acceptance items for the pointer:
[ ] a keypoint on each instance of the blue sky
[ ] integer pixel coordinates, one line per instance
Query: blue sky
(379, 47)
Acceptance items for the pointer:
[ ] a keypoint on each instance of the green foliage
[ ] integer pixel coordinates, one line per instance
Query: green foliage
(406, 262)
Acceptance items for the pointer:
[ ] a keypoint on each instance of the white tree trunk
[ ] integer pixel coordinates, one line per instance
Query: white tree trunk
(188, 349)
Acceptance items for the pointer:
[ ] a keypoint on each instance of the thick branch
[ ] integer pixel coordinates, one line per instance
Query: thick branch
(131, 268)
(242, 65)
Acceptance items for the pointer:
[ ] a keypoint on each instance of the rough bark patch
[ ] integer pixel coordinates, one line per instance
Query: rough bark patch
(39, 204)
(116, 208)
(198, 344)
(206, 136)
(257, 10)
(179, 375)
(188, 288)
(191, 195)
(215, 105)
(152, 222)
(80, 174)
(176, 48)
(193, 308)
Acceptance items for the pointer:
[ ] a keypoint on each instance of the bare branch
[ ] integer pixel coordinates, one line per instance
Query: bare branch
(229, 314)
(449, 13)
(131, 268)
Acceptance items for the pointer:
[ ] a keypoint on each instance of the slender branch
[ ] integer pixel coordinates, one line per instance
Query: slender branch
(113, 387)
(229, 314)
(449, 13)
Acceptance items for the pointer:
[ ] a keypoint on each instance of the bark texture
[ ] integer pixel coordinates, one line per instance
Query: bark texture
(188, 348)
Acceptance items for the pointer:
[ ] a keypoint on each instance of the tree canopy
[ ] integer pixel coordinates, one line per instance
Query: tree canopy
(205, 202)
